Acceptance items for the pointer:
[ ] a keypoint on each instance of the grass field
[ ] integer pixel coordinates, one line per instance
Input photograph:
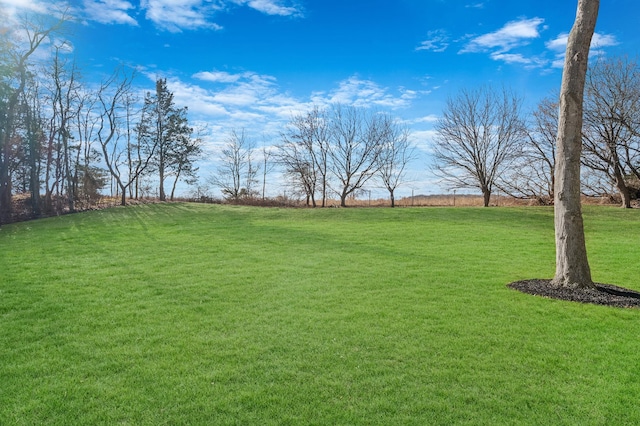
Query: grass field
(184, 314)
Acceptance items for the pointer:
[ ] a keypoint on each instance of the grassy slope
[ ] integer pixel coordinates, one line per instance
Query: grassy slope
(187, 314)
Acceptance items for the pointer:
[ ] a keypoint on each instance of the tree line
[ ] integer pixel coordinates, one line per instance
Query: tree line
(485, 141)
(62, 141)
(336, 150)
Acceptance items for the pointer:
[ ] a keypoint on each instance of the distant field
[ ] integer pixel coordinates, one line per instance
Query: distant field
(222, 315)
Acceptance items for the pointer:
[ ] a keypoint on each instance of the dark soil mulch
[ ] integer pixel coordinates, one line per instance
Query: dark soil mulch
(602, 294)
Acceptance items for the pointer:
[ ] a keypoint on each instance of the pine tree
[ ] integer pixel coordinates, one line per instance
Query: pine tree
(165, 127)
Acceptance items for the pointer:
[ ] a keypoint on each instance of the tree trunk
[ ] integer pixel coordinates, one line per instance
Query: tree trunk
(343, 199)
(572, 266)
(621, 183)
(6, 132)
(163, 196)
(5, 187)
(625, 195)
(486, 196)
(34, 185)
(343, 196)
(324, 188)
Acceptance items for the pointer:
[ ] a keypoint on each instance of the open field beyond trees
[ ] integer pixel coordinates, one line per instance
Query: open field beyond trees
(208, 314)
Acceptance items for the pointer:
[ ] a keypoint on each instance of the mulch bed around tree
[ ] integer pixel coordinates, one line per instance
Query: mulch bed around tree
(602, 294)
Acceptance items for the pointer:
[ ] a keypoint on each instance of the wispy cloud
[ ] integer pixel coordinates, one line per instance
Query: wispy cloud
(502, 44)
(598, 44)
(365, 93)
(109, 11)
(246, 89)
(170, 15)
(431, 118)
(12, 6)
(437, 41)
(255, 101)
(178, 15)
(603, 40)
(12, 10)
(240, 100)
(559, 43)
(217, 76)
(271, 7)
(513, 34)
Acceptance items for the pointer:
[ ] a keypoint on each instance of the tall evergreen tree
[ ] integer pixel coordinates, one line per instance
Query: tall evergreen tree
(165, 127)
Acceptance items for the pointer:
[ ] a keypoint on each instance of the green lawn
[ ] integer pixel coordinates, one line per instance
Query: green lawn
(185, 314)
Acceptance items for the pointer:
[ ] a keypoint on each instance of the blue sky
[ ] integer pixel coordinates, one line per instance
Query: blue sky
(253, 63)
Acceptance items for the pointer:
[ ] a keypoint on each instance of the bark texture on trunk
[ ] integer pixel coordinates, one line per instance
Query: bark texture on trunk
(486, 197)
(572, 266)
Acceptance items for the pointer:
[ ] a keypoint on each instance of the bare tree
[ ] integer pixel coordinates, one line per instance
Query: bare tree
(65, 94)
(14, 62)
(134, 150)
(304, 153)
(478, 136)
(300, 171)
(236, 174)
(612, 98)
(396, 154)
(531, 175)
(113, 97)
(356, 141)
(90, 178)
(25, 141)
(296, 154)
(267, 166)
(572, 266)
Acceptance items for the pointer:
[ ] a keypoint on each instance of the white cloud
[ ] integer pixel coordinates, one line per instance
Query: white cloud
(11, 11)
(13, 6)
(178, 15)
(109, 11)
(64, 46)
(241, 100)
(256, 102)
(170, 15)
(513, 34)
(365, 93)
(511, 58)
(271, 7)
(559, 46)
(559, 43)
(431, 118)
(603, 40)
(217, 76)
(199, 100)
(423, 139)
(437, 41)
(250, 90)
